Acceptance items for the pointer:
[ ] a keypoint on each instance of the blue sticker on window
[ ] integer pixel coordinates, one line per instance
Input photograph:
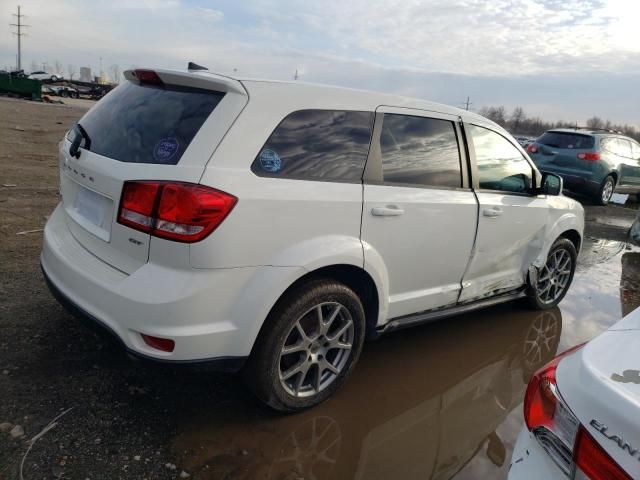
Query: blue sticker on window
(165, 149)
(270, 161)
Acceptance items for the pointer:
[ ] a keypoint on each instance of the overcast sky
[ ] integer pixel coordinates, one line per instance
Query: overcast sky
(559, 59)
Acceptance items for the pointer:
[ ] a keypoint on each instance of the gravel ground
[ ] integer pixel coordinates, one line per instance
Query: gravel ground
(118, 416)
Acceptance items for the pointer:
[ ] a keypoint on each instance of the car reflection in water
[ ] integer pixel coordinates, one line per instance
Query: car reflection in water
(421, 404)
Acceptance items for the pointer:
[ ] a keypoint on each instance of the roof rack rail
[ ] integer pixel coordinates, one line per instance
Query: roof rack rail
(597, 129)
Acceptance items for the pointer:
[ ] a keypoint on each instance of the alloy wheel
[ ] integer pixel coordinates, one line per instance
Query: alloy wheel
(554, 277)
(607, 190)
(316, 349)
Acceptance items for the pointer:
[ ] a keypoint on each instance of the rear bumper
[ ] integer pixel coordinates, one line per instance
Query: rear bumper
(210, 314)
(530, 462)
(222, 364)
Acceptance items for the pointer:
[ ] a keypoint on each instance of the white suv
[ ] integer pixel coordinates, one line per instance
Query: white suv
(272, 226)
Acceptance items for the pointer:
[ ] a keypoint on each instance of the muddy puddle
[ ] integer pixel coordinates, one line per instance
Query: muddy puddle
(439, 401)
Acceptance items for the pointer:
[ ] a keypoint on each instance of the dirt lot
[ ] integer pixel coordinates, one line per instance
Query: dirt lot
(455, 409)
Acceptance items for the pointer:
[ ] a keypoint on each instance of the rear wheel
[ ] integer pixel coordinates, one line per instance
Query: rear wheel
(308, 346)
(54, 78)
(555, 277)
(606, 190)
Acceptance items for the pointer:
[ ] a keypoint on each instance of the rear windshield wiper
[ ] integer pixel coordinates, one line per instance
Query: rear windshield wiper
(80, 134)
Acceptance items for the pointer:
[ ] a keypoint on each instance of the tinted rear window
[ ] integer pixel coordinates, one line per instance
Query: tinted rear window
(566, 140)
(328, 145)
(146, 124)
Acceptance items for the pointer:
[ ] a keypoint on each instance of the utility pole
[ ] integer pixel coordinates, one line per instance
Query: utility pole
(295, 75)
(19, 33)
(467, 104)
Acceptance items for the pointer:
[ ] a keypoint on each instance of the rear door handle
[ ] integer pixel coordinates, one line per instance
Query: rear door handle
(492, 212)
(388, 211)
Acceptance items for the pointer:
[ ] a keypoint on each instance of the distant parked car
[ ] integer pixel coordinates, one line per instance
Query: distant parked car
(524, 141)
(42, 75)
(65, 91)
(591, 161)
(582, 411)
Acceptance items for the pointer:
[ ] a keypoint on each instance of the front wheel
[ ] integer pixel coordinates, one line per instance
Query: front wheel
(555, 277)
(606, 190)
(54, 78)
(308, 346)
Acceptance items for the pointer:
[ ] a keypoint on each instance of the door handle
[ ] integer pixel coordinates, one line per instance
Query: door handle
(388, 211)
(492, 212)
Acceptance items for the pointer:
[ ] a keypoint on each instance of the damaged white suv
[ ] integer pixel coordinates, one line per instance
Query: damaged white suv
(272, 226)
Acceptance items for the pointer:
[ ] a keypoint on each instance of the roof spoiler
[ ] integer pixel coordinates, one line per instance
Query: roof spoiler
(196, 78)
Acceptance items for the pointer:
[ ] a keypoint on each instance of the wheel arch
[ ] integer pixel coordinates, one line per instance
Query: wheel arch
(356, 278)
(574, 237)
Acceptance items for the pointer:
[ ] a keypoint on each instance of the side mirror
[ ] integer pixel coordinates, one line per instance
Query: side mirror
(551, 184)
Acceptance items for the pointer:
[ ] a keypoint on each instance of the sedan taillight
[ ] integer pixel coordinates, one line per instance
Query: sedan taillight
(560, 433)
(548, 417)
(593, 462)
(183, 212)
(532, 148)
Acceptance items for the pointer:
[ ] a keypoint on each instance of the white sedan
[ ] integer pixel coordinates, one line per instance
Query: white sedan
(582, 411)
(42, 75)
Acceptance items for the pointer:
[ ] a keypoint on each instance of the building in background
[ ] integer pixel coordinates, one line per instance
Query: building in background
(85, 74)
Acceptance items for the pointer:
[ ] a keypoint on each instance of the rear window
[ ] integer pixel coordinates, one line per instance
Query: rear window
(325, 145)
(147, 124)
(566, 140)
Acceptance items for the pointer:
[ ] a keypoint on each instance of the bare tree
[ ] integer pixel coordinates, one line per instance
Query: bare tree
(595, 122)
(516, 119)
(115, 73)
(497, 114)
(71, 71)
(58, 67)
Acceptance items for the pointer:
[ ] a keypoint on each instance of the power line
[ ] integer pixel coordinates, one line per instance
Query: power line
(19, 33)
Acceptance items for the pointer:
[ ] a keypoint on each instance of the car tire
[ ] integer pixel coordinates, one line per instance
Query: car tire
(54, 78)
(555, 277)
(64, 93)
(606, 190)
(301, 357)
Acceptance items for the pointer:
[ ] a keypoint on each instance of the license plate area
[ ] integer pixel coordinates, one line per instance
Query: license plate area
(91, 210)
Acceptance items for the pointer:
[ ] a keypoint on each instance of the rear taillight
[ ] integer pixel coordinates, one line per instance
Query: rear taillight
(183, 212)
(548, 417)
(592, 461)
(590, 156)
(533, 148)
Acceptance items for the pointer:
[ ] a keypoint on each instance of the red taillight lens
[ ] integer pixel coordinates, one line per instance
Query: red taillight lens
(541, 401)
(137, 205)
(533, 148)
(191, 212)
(164, 344)
(182, 212)
(590, 156)
(148, 77)
(593, 461)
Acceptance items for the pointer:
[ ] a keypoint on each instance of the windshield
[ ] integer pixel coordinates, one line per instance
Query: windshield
(147, 124)
(566, 140)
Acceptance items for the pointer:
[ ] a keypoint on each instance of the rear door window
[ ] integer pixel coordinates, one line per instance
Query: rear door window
(624, 147)
(500, 164)
(147, 124)
(325, 145)
(566, 140)
(420, 151)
